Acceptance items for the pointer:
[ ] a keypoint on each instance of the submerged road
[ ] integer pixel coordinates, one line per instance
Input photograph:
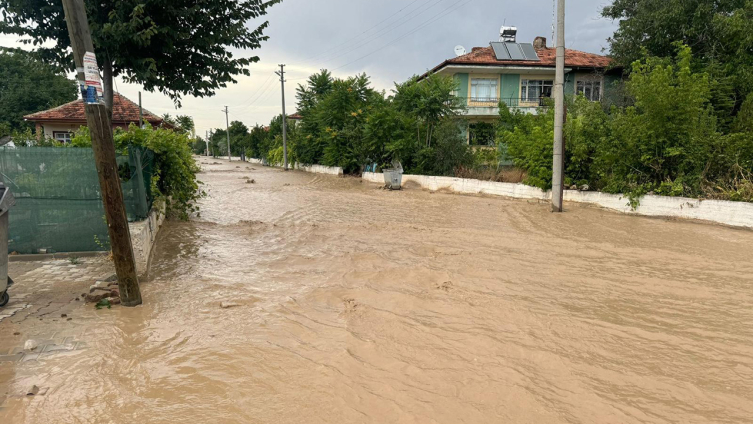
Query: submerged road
(299, 298)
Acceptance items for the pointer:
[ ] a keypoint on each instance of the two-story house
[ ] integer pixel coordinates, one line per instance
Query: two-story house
(522, 76)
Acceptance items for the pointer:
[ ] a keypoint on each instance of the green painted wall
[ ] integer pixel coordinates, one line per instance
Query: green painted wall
(510, 86)
(462, 81)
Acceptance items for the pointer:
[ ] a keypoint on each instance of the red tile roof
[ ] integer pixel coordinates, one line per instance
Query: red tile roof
(296, 116)
(124, 111)
(484, 56)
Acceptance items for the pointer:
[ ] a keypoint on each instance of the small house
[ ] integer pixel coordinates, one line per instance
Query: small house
(61, 122)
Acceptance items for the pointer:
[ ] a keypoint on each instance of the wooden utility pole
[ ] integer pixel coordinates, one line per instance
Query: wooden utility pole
(100, 128)
(558, 165)
(227, 130)
(284, 120)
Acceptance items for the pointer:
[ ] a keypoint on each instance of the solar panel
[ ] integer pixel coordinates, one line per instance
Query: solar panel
(515, 52)
(501, 51)
(529, 51)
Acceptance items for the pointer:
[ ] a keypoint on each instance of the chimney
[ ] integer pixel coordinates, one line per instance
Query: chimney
(508, 34)
(539, 43)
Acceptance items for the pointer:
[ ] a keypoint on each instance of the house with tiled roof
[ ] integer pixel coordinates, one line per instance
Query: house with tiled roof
(61, 122)
(521, 75)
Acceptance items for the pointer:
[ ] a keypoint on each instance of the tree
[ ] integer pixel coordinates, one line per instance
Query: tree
(430, 100)
(178, 47)
(185, 123)
(26, 86)
(719, 32)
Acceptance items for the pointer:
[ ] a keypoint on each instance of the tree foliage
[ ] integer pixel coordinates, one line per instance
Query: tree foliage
(175, 168)
(26, 86)
(719, 33)
(667, 142)
(178, 47)
(347, 123)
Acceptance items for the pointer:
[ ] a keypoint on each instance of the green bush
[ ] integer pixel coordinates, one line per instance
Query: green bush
(666, 142)
(175, 168)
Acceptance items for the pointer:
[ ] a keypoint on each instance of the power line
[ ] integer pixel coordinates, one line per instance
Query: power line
(355, 43)
(255, 93)
(266, 90)
(440, 15)
(359, 35)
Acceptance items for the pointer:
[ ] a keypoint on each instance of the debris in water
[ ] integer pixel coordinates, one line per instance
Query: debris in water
(30, 345)
(103, 303)
(96, 297)
(33, 390)
(226, 305)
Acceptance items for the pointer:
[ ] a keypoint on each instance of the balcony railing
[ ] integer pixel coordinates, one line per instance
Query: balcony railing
(513, 102)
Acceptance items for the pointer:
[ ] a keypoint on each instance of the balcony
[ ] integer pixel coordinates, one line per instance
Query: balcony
(489, 106)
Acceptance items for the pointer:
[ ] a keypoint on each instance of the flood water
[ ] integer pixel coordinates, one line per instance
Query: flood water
(360, 305)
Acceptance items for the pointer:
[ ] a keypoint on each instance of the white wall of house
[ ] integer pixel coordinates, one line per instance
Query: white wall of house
(52, 127)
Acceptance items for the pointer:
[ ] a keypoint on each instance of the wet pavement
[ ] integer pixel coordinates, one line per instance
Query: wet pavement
(299, 298)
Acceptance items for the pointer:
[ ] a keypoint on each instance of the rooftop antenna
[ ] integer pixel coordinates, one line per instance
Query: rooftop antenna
(459, 50)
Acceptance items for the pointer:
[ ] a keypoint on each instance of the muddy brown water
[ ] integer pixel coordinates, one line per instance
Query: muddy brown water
(359, 305)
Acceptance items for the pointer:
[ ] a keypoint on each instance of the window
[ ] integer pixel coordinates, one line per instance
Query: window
(589, 89)
(535, 90)
(62, 136)
(483, 89)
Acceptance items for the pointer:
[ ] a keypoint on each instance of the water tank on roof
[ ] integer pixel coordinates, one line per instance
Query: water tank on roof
(508, 34)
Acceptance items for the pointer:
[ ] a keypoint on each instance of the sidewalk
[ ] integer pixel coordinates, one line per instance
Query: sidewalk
(45, 291)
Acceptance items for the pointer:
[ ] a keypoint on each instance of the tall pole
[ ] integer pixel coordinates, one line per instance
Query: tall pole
(284, 120)
(206, 143)
(141, 113)
(211, 136)
(558, 164)
(100, 128)
(227, 131)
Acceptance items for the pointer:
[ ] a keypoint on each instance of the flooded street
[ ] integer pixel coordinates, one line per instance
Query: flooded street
(302, 298)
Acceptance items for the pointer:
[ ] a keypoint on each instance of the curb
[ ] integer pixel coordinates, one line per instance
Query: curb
(49, 256)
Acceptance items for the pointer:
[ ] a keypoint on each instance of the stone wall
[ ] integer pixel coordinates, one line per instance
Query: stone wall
(737, 214)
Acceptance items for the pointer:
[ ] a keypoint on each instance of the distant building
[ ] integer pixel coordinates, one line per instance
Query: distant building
(61, 122)
(521, 75)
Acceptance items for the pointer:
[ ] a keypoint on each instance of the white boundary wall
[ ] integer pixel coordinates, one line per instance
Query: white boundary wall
(144, 235)
(737, 214)
(314, 169)
(319, 169)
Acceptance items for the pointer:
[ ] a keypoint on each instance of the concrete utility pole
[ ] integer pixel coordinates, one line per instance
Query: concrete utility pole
(100, 127)
(141, 113)
(227, 130)
(558, 164)
(206, 143)
(284, 120)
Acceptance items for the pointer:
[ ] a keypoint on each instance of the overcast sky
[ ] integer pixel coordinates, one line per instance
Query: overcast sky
(390, 40)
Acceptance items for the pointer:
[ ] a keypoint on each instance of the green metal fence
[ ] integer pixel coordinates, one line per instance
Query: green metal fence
(58, 199)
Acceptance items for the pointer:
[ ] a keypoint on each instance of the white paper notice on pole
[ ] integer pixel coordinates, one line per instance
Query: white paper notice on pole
(93, 83)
